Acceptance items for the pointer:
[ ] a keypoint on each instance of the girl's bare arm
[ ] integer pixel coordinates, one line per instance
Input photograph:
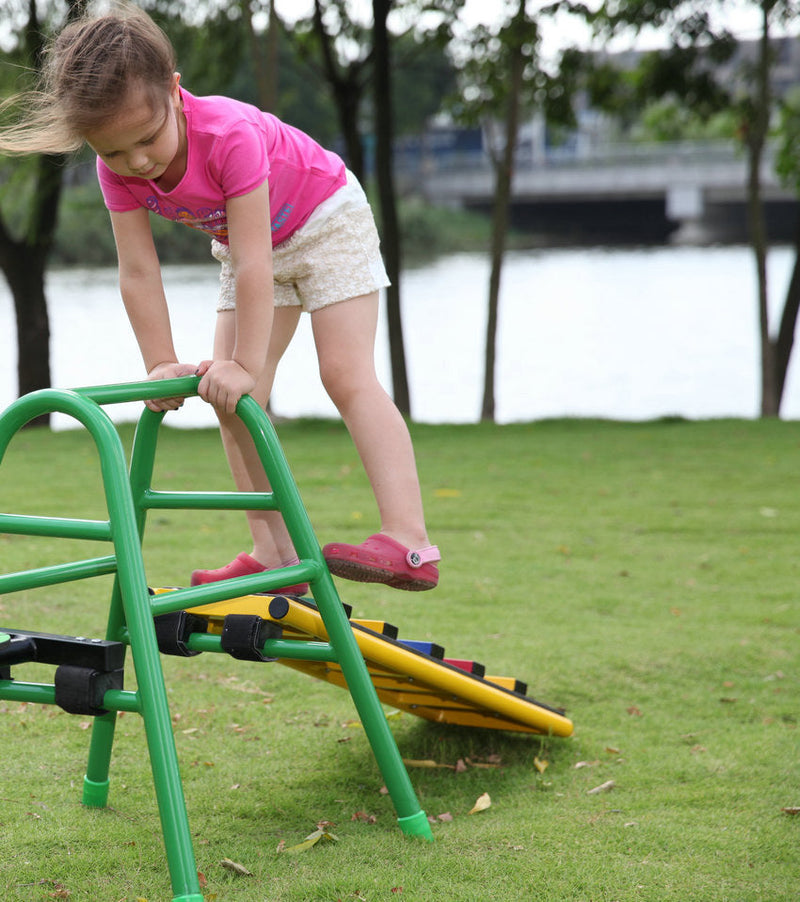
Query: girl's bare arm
(144, 299)
(226, 381)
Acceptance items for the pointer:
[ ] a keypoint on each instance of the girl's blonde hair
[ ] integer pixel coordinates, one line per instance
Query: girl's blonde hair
(89, 70)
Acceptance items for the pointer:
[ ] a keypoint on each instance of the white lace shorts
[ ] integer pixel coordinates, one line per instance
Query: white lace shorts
(333, 257)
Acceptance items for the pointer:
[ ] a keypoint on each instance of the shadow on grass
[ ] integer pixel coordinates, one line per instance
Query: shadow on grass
(447, 744)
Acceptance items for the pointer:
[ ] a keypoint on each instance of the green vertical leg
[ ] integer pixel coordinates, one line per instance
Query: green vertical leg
(153, 699)
(96, 780)
(160, 739)
(411, 818)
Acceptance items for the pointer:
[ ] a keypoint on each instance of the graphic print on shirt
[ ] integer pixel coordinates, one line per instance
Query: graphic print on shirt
(279, 220)
(212, 221)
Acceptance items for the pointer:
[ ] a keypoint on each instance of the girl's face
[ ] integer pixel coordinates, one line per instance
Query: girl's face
(142, 143)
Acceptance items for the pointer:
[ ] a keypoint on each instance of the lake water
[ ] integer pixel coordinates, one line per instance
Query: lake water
(624, 334)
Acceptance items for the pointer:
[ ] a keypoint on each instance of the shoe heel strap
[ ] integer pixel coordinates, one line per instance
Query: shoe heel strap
(423, 556)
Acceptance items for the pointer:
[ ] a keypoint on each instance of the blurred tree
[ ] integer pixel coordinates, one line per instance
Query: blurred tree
(689, 71)
(361, 62)
(338, 48)
(384, 172)
(501, 76)
(25, 244)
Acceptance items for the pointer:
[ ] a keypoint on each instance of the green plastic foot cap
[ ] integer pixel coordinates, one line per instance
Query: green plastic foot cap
(416, 825)
(95, 795)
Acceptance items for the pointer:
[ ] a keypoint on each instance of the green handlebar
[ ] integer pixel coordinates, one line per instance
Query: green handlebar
(185, 386)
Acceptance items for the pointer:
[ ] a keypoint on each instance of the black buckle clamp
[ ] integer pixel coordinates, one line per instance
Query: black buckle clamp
(173, 631)
(80, 690)
(243, 636)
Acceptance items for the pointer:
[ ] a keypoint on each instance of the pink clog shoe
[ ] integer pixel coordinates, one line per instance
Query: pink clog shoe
(381, 559)
(243, 565)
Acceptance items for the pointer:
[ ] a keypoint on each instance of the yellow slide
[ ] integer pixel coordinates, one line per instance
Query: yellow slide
(412, 676)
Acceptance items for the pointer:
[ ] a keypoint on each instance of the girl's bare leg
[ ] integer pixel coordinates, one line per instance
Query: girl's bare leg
(271, 543)
(344, 334)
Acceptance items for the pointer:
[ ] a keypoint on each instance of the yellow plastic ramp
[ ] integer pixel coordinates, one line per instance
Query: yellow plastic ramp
(413, 677)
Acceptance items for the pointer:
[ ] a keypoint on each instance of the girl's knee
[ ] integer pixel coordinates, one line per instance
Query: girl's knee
(344, 383)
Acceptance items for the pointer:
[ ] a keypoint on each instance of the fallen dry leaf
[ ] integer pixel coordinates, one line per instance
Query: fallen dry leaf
(426, 762)
(364, 817)
(540, 765)
(603, 787)
(321, 833)
(237, 868)
(482, 803)
(792, 810)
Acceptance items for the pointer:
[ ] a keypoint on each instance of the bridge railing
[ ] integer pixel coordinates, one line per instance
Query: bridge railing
(596, 156)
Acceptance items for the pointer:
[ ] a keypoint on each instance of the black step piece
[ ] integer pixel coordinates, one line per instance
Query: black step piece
(48, 648)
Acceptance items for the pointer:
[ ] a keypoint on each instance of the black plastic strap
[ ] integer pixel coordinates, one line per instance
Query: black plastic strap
(80, 690)
(173, 631)
(243, 636)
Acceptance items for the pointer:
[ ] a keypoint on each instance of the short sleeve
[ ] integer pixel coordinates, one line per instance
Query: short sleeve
(241, 160)
(116, 194)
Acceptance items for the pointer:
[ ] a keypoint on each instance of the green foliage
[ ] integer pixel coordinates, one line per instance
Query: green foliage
(429, 232)
(626, 571)
(669, 120)
(685, 74)
(423, 73)
(787, 162)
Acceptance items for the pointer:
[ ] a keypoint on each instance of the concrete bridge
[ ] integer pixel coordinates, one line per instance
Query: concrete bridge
(685, 192)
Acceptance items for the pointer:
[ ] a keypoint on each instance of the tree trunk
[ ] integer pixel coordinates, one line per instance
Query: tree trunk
(265, 60)
(347, 92)
(756, 139)
(23, 260)
(504, 168)
(386, 193)
(791, 307)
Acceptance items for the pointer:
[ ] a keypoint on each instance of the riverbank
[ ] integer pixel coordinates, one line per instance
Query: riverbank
(84, 236)
(633, 334)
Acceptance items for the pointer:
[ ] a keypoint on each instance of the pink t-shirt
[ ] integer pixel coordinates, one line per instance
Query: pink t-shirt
(232, 149)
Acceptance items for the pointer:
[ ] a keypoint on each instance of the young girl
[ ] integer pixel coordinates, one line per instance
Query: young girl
(292, 230)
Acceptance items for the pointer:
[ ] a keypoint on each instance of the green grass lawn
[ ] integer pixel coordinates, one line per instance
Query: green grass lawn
(644, 576)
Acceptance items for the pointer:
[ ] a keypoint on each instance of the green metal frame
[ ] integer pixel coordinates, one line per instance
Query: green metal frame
(129, 495)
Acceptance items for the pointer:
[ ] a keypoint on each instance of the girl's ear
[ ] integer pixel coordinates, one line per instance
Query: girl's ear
(176, 81)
